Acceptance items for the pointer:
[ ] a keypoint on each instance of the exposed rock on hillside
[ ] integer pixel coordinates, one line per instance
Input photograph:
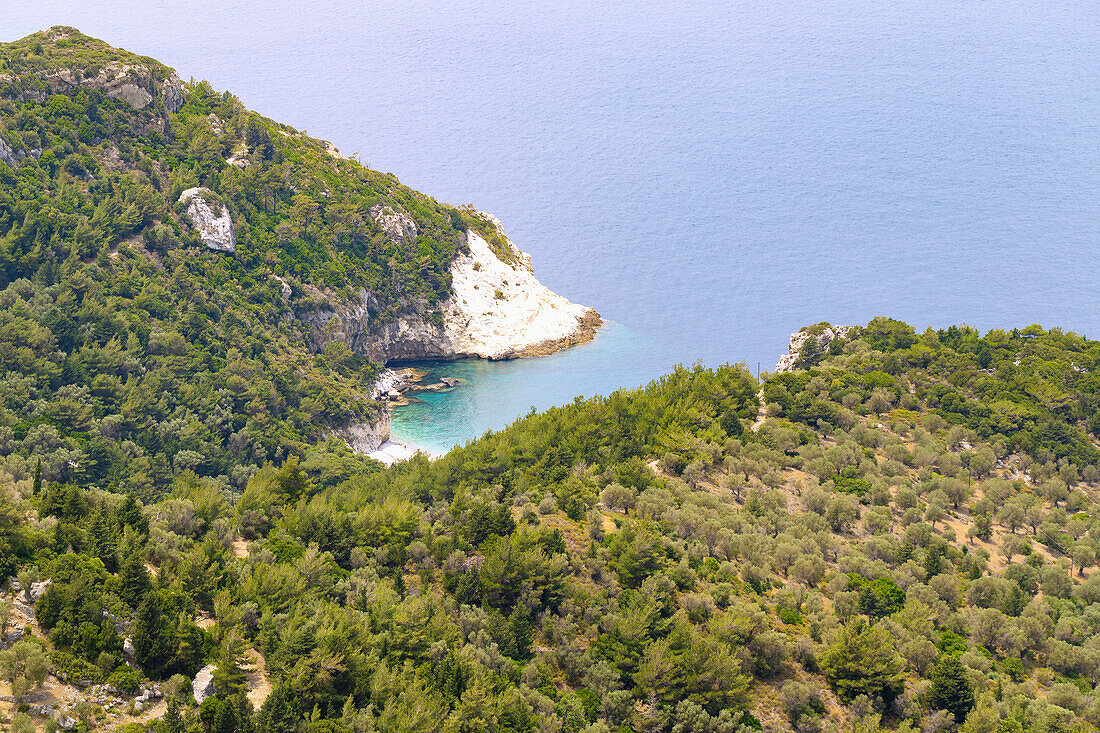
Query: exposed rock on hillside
(501, 311)
(202, 686)
(397, 225)
(216, 229)
(140, 85)
(497, 310)
(9, 156)
(391, 383)
(364, 437)
(823, 333)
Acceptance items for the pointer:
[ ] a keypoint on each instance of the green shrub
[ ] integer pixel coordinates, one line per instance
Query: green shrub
(69, 668)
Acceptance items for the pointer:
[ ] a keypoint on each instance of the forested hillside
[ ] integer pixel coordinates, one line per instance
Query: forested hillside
(130, 352)
(899, 534)
(860, 551)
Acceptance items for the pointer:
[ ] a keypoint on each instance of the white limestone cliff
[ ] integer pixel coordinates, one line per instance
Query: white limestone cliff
(497, 309)
(500, 310)
(215, 227)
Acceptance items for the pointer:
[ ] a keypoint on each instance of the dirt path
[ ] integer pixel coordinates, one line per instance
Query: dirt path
(258, 685)
(762, 413)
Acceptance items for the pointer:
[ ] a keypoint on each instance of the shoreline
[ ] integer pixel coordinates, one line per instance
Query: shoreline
(400, 384)
(394, 451)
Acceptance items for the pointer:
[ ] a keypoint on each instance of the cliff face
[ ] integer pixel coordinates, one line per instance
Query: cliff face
(497, 310)
(364, 437)
(823, 333)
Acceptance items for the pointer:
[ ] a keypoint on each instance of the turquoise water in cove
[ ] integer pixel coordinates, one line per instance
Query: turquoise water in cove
(492, 394)
(710, 176)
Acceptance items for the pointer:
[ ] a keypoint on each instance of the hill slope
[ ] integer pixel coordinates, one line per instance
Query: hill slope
(191, 286)
(866, 559)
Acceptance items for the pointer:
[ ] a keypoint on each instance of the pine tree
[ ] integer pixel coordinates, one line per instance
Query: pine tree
(292, 480)
(863, 661)
(134, 580)
(130, 514)
(522, 631)
(225, 719)
(279, 713)
(172, 719)
(104, 538)
(399, 581)
(233, 669)
(950, 689)
(154, 642)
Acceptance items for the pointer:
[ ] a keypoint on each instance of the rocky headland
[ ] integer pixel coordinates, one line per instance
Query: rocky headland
(497, 309)
(821, 334)
(448, 283)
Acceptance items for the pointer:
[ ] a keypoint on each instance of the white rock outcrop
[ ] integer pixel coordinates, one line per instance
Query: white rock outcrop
(364, 437)
(284, 287)
(215, 227)
(825, 333)
(131, 83)
(9, 156)
(499, 310)
(202, 686)
(396, 224)
(390, 384)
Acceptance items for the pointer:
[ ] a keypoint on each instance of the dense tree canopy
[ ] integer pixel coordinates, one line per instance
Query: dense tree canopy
(901, 533)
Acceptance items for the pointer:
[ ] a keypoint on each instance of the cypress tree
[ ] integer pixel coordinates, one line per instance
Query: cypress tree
(950, 689)
(37, 478)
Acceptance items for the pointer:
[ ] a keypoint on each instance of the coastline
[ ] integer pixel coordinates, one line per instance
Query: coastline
(394, 451)
(494, 393)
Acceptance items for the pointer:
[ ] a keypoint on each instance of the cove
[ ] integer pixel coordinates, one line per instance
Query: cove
(492, 394)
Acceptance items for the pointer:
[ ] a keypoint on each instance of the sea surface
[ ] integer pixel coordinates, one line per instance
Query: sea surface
(710, 176)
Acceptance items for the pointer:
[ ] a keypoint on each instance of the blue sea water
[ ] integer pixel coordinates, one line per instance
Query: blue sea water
(710, 176)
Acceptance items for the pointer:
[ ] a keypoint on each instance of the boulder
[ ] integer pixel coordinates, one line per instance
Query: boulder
(128, 647)
(37, 589)
(213, 223)
(65, 722)
(202, 686)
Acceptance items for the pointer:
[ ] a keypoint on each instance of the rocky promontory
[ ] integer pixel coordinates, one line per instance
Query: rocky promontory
(821, 335)
(139, 81)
